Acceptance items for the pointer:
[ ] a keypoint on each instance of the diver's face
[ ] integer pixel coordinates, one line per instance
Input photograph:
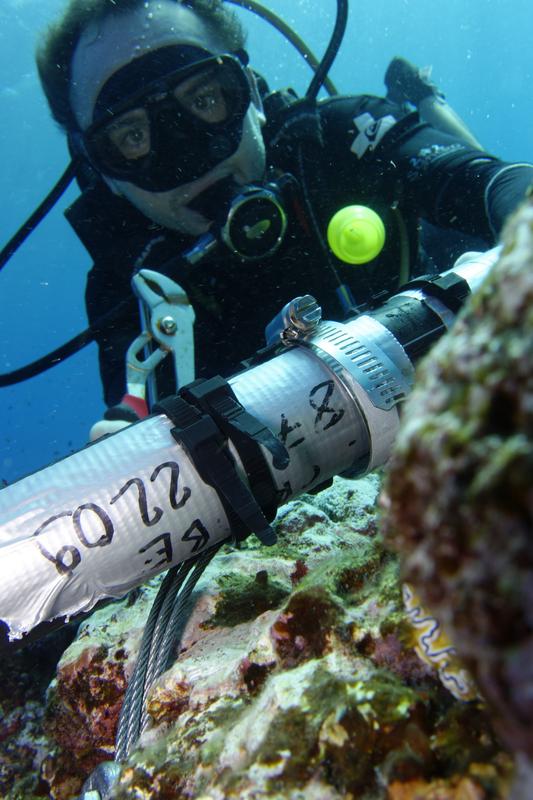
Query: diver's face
(171, 208)
(105, 51)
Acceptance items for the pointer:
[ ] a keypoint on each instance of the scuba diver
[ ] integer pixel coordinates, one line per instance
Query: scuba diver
(183, 146)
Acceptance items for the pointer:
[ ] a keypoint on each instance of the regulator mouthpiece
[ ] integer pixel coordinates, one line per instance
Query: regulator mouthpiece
(356, 234)
(256, 223)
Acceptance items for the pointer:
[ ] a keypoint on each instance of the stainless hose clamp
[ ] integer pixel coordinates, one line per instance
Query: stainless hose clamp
(373, 368)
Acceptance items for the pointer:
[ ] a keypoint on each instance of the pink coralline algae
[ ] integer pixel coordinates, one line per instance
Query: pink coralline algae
(82, 717)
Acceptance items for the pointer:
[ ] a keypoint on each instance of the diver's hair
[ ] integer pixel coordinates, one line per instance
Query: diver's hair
(55, 53)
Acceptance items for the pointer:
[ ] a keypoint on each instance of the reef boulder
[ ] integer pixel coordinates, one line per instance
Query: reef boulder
(458, 500)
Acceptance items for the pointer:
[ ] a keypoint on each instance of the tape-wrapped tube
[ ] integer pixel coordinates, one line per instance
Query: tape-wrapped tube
(105, 519)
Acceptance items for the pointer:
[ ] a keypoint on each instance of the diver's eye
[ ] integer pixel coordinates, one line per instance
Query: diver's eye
(131, 134)
(209, 99)
(203, 97)
(134, 140)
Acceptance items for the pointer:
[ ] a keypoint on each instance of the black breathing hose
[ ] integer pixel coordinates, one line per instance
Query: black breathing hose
(330, 54)
(292, 37)
(67, 349)
(39, 214)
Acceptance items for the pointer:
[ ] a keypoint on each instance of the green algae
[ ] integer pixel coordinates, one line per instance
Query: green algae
(219, 721)
(338, 722)
(344, 572)
(285, 548)
(243, 598)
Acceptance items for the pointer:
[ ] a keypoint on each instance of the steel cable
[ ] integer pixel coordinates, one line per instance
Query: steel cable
(160, 637)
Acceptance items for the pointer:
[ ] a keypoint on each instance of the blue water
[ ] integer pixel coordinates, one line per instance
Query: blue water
(482, 58)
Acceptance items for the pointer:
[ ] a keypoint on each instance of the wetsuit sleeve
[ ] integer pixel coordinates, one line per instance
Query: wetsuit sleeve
(452, 185)
(114, 234)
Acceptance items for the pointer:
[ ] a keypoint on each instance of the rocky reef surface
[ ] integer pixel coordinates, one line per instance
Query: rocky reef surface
(459, 493)
(296, 678)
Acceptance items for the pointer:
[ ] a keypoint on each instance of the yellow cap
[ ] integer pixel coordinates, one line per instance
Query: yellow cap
(356, 234)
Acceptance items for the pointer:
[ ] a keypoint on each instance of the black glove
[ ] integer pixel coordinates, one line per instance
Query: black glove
(407, 83)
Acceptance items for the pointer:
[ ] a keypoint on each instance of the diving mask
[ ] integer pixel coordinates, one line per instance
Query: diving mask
(184, 117)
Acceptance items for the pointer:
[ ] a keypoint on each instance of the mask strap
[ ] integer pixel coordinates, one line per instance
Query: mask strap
(255, 94)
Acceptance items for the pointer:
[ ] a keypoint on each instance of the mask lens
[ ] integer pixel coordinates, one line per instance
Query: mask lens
(208, 96)
(130, 135)
(182, 113)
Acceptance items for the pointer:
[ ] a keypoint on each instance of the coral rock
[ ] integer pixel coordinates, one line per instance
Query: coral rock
(458, 503)
(295, 680)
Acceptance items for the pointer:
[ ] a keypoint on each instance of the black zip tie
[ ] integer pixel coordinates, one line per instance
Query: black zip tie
(207, 448)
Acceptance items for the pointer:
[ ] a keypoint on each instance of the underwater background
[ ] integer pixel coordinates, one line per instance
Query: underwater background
(482, 59)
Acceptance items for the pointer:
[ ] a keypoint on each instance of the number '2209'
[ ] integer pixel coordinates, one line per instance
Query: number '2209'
(69, 556)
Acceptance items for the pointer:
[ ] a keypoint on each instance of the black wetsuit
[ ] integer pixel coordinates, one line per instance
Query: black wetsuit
(360, 150)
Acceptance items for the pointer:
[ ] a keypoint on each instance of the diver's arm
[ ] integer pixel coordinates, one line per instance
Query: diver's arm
(506, 188)
(411, 86)
(454, 186)
(435, 176)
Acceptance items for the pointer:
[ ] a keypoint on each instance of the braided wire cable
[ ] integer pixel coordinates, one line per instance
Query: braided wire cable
(134, 691)
(161, 655)
(160, 637)
(160, 627)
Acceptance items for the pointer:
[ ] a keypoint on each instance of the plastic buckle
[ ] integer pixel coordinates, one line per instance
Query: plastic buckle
(216, 397)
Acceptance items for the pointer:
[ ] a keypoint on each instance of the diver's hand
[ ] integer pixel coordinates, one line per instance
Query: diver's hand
(406, 82)
(105, 426)
(131, 409)
(484, 258)
(475, 265)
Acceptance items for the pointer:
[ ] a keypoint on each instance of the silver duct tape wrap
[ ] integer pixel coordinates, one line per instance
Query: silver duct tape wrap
(307, 407)
(100, 522)
(107, 518)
